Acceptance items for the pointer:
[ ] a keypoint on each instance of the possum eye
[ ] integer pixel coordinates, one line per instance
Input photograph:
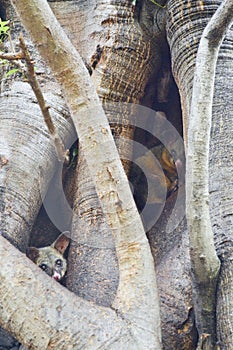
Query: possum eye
(59, 262)
(44, 267)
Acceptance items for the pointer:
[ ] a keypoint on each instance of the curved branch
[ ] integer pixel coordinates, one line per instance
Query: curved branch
(63, 323)
(205, 263)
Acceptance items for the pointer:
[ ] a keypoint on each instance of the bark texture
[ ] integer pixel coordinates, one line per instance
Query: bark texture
(123, 56)
(189, 21)
(221, 193)
(63, 323)
(137, 276)
(25, 144)
(205, 264)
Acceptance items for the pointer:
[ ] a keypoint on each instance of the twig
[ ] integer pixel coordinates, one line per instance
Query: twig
(11, 56)
(30, 73)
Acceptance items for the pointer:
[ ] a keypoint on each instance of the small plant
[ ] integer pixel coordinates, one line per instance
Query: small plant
(4, 30)
(4, 34)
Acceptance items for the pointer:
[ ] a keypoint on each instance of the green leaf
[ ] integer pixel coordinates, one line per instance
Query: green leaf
(3, 62)
(4, 27)
(11, 71)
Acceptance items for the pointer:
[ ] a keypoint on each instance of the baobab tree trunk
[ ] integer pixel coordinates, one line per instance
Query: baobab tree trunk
(205, 264)
(122, 57)
(178, 24)
(115, 195)
(25, 144)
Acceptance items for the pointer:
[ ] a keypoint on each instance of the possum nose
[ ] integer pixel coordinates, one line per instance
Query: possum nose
(56, 276)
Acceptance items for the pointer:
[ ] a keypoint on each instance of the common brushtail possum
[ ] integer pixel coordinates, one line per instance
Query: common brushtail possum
(160, 167)
(51, 258)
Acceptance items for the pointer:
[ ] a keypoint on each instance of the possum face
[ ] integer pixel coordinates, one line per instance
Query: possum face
(50, 259)
(52, 262)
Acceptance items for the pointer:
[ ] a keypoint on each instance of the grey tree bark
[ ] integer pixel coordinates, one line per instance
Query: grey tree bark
(94, 134)
(35, 165)
(63, 323)
(122, 57)
(171, 249)
(22, 130)
(183, 68)
(205, 263)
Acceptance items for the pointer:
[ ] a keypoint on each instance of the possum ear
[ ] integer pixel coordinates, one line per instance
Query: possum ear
(32, 253)
(62, 242)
